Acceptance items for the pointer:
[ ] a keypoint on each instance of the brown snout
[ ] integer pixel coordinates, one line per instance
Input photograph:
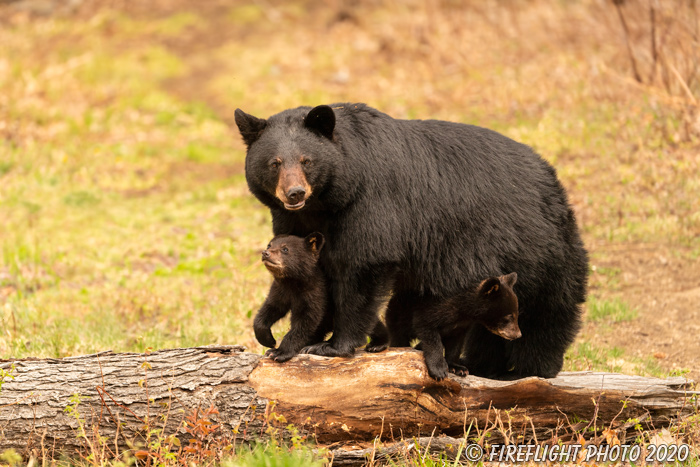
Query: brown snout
(292, 188)
(510, 333)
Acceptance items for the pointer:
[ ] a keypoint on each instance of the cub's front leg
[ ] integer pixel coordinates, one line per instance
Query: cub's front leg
(275, 307)
(433, 353)
(454, 345)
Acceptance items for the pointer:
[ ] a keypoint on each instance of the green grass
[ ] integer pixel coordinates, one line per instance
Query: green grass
(127, 221)
(609, 311)
(259, 456)
(587, 356)
(264, 456)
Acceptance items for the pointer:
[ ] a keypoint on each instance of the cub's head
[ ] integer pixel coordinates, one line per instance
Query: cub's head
(289, 256)
(290, 156)
(500, 305)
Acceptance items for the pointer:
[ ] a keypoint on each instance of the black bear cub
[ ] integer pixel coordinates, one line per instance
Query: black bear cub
(299, 286)
(442, 325)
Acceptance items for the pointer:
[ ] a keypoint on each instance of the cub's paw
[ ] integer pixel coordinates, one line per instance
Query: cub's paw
(264, 336)
(279, 355)
(326, 349)
(376, 347)
(459, 370)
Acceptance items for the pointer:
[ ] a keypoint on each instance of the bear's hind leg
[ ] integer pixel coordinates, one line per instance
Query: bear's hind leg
(378, 338)
(540, 351)
(399, 319)
(454, 346)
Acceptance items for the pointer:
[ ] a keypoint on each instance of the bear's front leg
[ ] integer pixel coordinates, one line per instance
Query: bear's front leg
(356, 301)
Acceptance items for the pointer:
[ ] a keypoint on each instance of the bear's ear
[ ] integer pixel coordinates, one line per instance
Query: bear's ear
(314, 242)
(509, 279)
(490, 287)
(321, 120)
(249, 126)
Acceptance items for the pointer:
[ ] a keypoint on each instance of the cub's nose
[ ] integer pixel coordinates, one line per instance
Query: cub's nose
(265, 255)
(296, 195)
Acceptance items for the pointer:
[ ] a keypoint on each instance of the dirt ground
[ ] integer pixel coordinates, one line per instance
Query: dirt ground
(665, 289)
(662, 285)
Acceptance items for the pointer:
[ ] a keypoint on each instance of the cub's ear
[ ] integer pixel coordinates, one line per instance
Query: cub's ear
(321, 120)
(249, 126)
(509, 279)
(490, 288)
(314, 242)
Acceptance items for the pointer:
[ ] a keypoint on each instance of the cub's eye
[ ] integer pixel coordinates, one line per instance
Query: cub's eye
(285, 250)
(275, 164)
(306, 162)
(269, 246)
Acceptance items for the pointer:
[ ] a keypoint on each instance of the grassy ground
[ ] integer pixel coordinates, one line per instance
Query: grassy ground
(127, 223)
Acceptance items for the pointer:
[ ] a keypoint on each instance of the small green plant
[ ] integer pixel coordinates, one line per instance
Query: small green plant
(11, 457)
(6, 375)
(613, 310)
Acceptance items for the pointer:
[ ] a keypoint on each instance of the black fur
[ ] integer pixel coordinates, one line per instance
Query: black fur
(441, 324)
(299, 286)
(426, 208)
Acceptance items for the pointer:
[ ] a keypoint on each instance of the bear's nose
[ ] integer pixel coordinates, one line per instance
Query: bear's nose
(296, 195)
(265, 255)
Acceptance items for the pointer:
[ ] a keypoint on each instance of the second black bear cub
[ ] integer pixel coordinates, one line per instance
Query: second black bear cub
(299, 286)
(441, 326)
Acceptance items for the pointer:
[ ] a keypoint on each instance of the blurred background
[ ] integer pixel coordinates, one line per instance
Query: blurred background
(125, 219)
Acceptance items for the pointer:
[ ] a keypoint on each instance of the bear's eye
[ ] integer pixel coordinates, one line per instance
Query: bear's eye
(275, 164)
(306, 161)
(285, 250)
(269, 246)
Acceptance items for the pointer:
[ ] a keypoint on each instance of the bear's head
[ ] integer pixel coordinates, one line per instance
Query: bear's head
(291, 156)
(292, 257)
(499, 306)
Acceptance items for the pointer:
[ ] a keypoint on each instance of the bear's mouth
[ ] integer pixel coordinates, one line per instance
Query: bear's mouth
(275, 268)
(269, 263)
(508, 333)
(294, 207)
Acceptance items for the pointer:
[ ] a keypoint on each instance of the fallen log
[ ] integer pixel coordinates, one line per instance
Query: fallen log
(121, 400)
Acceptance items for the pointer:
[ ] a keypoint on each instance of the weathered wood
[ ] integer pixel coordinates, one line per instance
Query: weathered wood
(388, 394)
(120, 393)
(391, 393)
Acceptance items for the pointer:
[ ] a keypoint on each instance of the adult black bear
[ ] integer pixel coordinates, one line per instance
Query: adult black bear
(299, 287)
(423, 209)
(441, 325)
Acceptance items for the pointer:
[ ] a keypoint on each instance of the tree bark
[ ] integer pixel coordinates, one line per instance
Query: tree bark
(124, 396)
